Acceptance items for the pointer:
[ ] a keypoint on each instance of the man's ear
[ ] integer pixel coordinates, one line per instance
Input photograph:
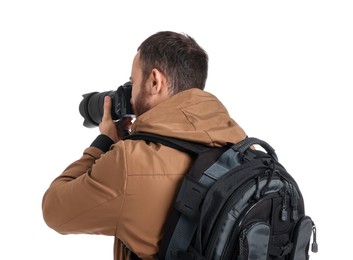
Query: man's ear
(157, 82)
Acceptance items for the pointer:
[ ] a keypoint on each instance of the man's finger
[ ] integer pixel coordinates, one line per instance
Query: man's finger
(107, 108)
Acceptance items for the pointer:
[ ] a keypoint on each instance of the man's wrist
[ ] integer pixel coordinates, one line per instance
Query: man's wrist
(102, 142)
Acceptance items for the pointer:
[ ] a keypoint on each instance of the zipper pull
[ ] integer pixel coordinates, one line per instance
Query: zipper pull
(256, 195)
(284, 213)
(264, 189)
(314, 245)
(294, 203)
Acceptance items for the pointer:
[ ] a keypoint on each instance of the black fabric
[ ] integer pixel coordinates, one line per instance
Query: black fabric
(102, 142)
(133, 256)
(168, 232)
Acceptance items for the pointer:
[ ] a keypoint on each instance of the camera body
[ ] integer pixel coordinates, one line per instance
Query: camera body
(91, 107)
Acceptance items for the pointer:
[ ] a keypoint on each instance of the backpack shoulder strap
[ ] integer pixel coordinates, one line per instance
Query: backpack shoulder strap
(179, 229)
(184, 146)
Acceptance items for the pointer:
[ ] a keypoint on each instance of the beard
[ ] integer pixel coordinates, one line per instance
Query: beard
(141, 104)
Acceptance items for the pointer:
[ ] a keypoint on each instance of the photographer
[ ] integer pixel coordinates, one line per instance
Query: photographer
(126, 188)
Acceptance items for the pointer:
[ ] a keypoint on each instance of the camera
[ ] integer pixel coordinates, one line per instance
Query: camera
(91, 107)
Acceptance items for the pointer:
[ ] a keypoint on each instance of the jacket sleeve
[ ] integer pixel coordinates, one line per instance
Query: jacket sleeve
(87, 196)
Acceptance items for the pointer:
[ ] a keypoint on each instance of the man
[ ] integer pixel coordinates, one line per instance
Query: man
(126, 188)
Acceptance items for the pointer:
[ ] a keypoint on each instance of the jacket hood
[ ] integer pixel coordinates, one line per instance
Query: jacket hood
(192, 115)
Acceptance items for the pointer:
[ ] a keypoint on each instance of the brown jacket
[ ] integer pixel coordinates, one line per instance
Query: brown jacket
(127, 191)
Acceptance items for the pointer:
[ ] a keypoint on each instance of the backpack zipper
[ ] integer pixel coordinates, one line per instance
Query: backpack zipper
(241, 245)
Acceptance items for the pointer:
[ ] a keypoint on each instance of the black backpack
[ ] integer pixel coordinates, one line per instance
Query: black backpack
(235, 203)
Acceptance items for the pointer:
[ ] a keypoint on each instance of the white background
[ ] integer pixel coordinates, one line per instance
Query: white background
(282, 68)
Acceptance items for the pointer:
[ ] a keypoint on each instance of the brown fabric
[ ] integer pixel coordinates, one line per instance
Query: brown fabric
(128, 191)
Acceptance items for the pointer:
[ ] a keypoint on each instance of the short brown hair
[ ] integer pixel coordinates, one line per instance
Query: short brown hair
(178, 57)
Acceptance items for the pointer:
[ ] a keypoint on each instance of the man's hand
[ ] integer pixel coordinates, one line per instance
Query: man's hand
(108, 127)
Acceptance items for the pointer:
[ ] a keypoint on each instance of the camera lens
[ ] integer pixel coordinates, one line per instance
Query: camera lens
(91, 107)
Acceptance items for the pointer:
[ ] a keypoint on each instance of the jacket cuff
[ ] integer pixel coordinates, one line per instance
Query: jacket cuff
(102, 142)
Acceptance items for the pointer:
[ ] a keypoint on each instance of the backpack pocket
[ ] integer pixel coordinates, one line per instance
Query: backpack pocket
(253, 242)
(301, 240)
